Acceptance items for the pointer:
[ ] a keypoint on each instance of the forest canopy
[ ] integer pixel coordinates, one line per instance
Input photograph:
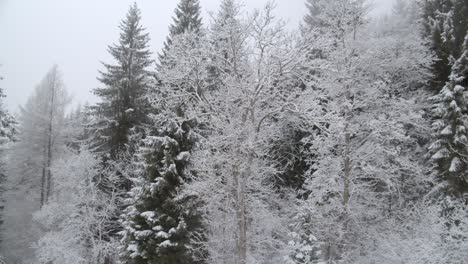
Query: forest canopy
(244, 141)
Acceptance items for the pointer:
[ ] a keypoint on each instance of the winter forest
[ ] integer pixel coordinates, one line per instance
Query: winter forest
(242, 141)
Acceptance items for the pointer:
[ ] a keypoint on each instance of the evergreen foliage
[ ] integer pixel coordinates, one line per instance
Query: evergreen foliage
(187, 19)
(116, 124)
(449, 146)
(8, 134)
(158, 225)
(123, 108)
(445, 26)
(251, 143)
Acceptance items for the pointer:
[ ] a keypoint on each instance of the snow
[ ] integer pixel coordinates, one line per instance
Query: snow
(183, 156)
(132, 247)
(454, 105)
(140, 235)
(167, 243)
(447, 131)
(158, 228)
(172, 168)
(280, 137)
(442, 153)
(458, 89)
(172, 231)
(162, 234)
(455, 164)
(148, 214)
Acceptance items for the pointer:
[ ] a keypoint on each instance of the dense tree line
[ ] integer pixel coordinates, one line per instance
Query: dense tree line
(344, 141)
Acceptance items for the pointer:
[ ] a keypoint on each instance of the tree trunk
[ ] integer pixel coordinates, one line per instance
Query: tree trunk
(346, 181)
(49, 139)
(347, 168)
(347, 151)
(43, 178)
(241, 236)
(242, 221)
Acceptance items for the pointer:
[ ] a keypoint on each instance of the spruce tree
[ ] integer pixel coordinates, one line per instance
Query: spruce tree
(225, 34)
(227, 19)
(8, 131)
(187, 19)
(118, 120)
(8, 134)
(123, 107)
(158, 225)
(449, 148)
(445, 25)
(313, 19)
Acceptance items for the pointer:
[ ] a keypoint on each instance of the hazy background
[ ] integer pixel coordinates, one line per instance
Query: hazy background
(75, 34)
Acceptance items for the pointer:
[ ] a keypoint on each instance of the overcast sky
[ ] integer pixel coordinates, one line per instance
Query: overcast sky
(35, 34)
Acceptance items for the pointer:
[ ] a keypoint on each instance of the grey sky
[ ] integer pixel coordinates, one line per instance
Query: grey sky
(75, 34)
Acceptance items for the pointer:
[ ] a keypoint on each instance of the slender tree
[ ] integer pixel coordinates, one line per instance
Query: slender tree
(41, 141)
(42, 124)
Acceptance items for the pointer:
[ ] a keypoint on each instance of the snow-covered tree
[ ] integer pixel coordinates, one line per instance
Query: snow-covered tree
(8, 129)
(187, 19)
(226, 29)
(252, 144)
(41, 142)
(116, 124)
(77, 127)
(8, 134)
(123, 107)
(157, 226)
(76, 218)
(41, 138)
(449, 146)
(363, 163)
(162, 158)
(251, 58)
(445, 25)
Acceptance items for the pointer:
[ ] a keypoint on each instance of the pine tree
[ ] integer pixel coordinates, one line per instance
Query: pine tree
(187, 19)
(123, 107)
(449, 148)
